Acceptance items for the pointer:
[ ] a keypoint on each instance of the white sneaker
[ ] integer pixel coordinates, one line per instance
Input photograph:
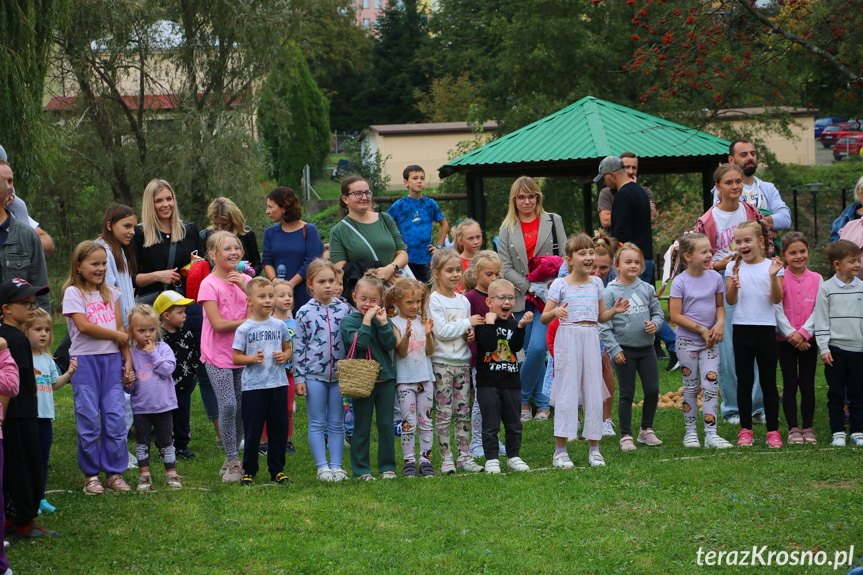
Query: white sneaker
(691, 440)
(447, 466)
(759, 418)
(857, 439)
(595, 459)
(338, 474)
(733, 419)
(242, 445)
(716, 441)
(133, 461)
(562, 461)
(325, 474)
(516, 464)
(470, 465)
(839, 439)
(492, 466)
(224, 468)
(608, 428)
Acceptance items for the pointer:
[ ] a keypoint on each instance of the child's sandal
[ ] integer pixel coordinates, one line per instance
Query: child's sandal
(93, 486)
(795, 436)
(809, 436)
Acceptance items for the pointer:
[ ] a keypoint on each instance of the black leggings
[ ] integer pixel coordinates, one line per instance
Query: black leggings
(161, 424)
(798, 371)
(640, 361)
(756, 343)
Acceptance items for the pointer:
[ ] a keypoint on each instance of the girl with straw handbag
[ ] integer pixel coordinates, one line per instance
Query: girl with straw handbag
(373, 331)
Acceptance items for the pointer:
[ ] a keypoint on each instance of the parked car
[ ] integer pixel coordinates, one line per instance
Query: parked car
(821, 123)
(833, 132)
(848, 146)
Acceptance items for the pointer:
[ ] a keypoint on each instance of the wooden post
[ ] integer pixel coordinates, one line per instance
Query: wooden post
(475, 200)
(707, 186)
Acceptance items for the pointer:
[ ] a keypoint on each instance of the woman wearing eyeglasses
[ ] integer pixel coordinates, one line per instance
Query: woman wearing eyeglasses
(225, 216)
(528, 231)
(291, 243)
(364, 238)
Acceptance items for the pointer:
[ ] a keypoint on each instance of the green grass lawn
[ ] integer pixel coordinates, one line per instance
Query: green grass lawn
(646, 512)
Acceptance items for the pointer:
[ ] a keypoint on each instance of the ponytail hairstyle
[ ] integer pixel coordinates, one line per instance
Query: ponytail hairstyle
(468, 280)
(400, 290)
(371, 279)
(604, 244)
(459, 232)
(685, 244)
(791, 238)
(438, 261)
(477, 264)
(760, 229)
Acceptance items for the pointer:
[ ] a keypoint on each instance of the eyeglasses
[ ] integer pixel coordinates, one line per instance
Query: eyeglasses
(522, 198)
(222, 225)
(233, 249)
(360, 194)
(503, 297)
(27, 303)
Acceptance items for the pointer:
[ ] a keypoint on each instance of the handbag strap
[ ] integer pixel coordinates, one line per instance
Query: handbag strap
(362, 237)
(555, 246)
(354, 348)
(172, 255)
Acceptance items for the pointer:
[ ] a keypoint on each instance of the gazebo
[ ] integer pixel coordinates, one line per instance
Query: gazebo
(571, 143)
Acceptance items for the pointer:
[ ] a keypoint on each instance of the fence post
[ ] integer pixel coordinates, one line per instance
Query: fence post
(843, 199)
(796, 226)
(815, 214)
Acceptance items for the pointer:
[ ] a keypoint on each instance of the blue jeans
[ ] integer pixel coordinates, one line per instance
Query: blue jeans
(728, 373)
(533, 368)
(324, 403)
(666, 334)
(647, 274)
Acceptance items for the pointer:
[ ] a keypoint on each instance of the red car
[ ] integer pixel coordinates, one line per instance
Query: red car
(848, 145)
(833, 132)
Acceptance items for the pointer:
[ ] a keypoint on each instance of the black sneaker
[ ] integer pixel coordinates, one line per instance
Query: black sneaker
(657, 347)
(410, 469)
(263, 449)
(32, 532)
(426, 469)
(185, 453)
(673, 362)
(247, 479)
(281, 479)
(289, 447)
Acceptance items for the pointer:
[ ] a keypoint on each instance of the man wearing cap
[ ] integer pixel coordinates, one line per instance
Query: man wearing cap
(21, 252)
(630, 211)
(22, 470)
(170, 306)
(606, 195)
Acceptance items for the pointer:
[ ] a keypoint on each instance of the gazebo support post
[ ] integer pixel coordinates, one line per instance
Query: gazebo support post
(475, 200)
(707, 185)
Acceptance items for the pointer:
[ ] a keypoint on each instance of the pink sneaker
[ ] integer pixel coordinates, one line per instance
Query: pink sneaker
(744, 438)
(774, 439)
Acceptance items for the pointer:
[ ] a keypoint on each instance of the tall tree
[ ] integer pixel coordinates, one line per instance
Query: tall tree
(398, 66)
(26, 36)
(293, 119)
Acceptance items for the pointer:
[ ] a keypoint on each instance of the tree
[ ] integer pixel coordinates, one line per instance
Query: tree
(449, 99)
(294, 119)
(397, 67)
(26, 35)
(750, 52)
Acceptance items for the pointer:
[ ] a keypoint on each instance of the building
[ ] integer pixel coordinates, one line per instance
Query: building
(798, 149)
(368, 12)
(427, 145)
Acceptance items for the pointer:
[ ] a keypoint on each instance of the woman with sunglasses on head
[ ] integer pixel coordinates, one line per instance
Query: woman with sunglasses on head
(291, 243)
(225, 216)
(528, 231)
(365, 236)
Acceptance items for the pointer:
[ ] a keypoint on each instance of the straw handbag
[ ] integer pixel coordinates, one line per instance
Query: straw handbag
(357, 376)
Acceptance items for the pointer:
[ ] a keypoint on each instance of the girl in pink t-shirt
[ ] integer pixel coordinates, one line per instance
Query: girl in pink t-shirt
(101, 345)
(223, 296)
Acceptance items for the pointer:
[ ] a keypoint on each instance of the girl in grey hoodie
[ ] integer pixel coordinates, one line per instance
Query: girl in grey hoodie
(628, 337)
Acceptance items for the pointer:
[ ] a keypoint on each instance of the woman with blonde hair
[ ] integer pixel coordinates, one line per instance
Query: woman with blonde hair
(225, 216)
(163, 243)
(528, 231)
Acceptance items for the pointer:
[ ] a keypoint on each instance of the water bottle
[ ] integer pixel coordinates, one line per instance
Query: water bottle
(281, 271)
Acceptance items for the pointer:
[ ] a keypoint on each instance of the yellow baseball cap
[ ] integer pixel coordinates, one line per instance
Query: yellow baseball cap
(168, 299)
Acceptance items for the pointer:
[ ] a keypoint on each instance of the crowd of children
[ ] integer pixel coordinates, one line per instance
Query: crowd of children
(439, 346)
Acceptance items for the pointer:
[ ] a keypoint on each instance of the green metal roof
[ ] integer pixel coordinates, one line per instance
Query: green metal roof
(587, 130)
